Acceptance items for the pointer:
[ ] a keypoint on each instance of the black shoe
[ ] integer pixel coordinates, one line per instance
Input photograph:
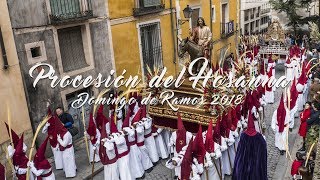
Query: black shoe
(282, 152)
(302, 149)
(290, 129)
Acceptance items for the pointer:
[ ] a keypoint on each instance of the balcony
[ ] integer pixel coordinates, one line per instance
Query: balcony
(227, 29)
(265, 11)
(143, 7)
(63, 11)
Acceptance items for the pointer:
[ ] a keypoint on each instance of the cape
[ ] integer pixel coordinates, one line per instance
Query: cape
(251, 158)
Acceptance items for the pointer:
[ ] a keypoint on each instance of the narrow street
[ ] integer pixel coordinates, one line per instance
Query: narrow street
(278, 166)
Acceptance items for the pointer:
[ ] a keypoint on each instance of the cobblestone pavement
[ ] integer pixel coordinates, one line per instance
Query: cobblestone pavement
(277, 165)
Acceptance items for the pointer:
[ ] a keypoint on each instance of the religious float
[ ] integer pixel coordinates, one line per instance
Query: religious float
(202, 103)
(275, 43)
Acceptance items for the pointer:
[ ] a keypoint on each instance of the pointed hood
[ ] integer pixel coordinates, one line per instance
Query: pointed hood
(15, 137)
(288, 61)
(143, 111)
(303, 78)
(19, 147)
(181, 134)
(19, 157)
(102, 149)
(293, 94)
(52, 132)
(59, 127)
(187, 162)
(137, 117)
(209, 144)
(180, 125)
(92, 130)
(113, 127)
(281, 114)
(100, 118)
(216, 133)
(198, 146)
(126, 121)
(251, 131)
(40, 161)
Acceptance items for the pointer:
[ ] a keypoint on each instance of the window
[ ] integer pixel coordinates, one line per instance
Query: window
(150, 3)
(194, 17)
(224, 13)
(213, 18)
(62, 10)
(36, 52)
(143, 7)
(246, 15)
(251, 27)
(151, 46)
(77, 113)
(71, 48)
(257, 23)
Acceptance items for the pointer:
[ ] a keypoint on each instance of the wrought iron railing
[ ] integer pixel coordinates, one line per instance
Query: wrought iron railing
(264, 11)
(70, 10)
(227, 29)
(143, 7)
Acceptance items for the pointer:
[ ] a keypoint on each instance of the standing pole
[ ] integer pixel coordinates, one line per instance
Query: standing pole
(220, 167)
(93, 162)
(229, 159)
(215, 165)
(85, 135)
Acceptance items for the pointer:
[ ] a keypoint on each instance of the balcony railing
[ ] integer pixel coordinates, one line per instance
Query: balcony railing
(246, 18)
(143, 7)
(264, 11)
(70, 10)
(227, 29)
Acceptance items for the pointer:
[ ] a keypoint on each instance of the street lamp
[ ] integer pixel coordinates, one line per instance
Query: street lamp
(187, 13)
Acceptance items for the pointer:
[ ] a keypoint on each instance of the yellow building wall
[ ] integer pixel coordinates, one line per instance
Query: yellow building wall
(126, 41)
(127, 48)
(11, 92)
(124, 8)
(216, 25)
(11, 85)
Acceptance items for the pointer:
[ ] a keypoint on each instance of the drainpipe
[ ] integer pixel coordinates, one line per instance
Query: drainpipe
(210, 2)
(3, 51)
(173, 34)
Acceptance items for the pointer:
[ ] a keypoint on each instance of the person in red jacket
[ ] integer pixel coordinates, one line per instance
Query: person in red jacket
(296, 164)
(305, 114)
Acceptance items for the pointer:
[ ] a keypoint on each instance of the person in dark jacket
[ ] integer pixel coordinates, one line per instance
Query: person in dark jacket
(65, 118)
(315, 113)
(313, 125)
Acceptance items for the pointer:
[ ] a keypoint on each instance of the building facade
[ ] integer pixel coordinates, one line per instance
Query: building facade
(12, 93)
(222, 18)
(70, 35)
(146, 32)
(255, 16)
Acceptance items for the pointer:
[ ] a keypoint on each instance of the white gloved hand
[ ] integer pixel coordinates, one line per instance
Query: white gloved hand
(59, 138)
(22, 171)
